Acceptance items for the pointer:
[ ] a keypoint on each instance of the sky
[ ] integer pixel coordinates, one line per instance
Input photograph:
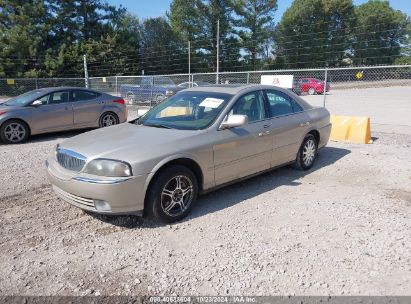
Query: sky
(155, 8)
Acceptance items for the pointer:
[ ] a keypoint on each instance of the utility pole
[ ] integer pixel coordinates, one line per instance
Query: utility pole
(218, 52)
(189, 65)
(85, 71)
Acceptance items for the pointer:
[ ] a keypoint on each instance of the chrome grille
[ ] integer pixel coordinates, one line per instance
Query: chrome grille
(70, 160)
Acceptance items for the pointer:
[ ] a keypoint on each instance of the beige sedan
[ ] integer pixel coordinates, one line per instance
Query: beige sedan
(200, 139)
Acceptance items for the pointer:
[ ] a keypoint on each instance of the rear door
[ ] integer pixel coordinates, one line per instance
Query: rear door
(244, 150)
(289, 125)
(87, 107)
(55, 113)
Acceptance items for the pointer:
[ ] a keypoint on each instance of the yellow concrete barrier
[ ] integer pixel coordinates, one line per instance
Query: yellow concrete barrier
(351, 129)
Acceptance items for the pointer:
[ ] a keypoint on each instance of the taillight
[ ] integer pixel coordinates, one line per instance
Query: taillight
(2, 112)
(120, 101)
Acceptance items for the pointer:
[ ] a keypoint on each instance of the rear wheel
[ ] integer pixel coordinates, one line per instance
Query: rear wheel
(172, 194)
(14, 132)
(311, 91)
(307, 153)
(108, 119)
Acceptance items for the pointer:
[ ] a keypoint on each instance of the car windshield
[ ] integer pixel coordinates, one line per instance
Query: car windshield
(186, 111)
(163, 81)
(25, 98)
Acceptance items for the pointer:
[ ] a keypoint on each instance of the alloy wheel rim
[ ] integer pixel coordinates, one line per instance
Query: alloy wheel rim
(177, 195)
(15, 132)
(311, 91)
(109, 120)
(309, 151)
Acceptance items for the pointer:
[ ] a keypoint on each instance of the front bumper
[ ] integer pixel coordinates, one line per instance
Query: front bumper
(105, 196)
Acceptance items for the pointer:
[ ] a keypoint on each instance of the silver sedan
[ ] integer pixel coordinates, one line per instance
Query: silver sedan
(58, 109)
(200, 139)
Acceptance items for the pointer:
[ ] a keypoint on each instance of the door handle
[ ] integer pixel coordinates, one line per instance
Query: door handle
(304, 124)
(267, 126)
(264, 133)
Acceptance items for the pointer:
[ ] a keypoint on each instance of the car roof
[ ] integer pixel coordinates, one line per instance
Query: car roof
(52, 89)
(231, 89)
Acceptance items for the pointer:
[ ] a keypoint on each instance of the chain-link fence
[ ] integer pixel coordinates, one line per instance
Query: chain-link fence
(12, 87)
(149, 90)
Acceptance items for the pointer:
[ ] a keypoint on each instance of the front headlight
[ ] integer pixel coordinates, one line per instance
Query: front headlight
(108, 167)
(53, 153)
(169, 93)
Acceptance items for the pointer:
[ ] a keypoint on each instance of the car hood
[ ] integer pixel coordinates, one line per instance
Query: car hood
(131, 143)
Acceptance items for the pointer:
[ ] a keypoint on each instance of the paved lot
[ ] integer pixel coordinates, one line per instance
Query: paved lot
(341, 228)
(389, 108)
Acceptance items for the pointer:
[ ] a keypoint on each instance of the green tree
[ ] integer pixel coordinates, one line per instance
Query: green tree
(315, 33)
(197, 21)
(340, 20)
(379, 33)
(24, 27)
(256, 24)
(161, 51)
(299, 35)
(406, 49)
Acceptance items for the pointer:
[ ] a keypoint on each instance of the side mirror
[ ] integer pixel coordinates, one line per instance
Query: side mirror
(37, 103)
(234, 121)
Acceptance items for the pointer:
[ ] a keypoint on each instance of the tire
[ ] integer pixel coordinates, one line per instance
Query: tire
(307, 154)
(311, 91)
(108, 119)
(14, 131)
(166, 201)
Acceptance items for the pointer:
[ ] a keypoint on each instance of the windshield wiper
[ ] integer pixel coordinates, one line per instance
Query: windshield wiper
(158, 126)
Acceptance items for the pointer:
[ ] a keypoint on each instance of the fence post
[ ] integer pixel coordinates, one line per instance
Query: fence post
(85, 71)
(117, 85)
(248, 77)
(325, 87)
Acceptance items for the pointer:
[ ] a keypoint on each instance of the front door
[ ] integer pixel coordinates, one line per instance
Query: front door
(55, 113)
(244, 150)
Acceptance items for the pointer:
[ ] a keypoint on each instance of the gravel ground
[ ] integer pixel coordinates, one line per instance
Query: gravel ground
(341, 228)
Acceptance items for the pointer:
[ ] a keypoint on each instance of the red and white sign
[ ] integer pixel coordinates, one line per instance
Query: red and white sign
(283, 81)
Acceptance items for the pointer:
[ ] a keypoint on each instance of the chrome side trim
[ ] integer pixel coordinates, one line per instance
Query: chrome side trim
(99, 181)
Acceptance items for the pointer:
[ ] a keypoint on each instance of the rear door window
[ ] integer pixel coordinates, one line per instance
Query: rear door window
(281, 104)
(83, 95)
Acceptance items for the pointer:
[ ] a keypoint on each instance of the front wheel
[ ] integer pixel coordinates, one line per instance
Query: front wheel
(307, 153)
(172, 194)
(108, 119)
(311, 91)
(14, 132)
